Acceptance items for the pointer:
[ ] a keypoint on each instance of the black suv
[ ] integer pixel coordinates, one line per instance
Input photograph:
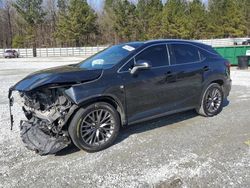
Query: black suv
(87, 103)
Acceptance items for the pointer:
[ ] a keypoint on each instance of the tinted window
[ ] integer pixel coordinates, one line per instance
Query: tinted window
(204, 54)
(184, 53)
(155, 55)
(128, 66)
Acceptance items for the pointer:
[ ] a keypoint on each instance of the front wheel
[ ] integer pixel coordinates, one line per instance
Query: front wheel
(95, 127)
(212, 101)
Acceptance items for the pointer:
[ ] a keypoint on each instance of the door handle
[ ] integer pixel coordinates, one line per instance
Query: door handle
(206, 68)
(169, 74)
(170, 77)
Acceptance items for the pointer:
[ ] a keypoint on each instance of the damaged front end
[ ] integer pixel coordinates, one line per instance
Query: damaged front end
(47, 107)
(47, 111)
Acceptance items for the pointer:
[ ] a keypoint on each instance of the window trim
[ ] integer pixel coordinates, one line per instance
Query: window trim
(191, 62)
(168, 51)
(133, 57)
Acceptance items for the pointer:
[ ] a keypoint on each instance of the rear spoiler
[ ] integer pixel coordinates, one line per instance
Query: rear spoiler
(11, 102)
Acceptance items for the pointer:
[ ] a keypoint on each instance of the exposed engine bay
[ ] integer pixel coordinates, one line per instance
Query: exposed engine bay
(47, 112)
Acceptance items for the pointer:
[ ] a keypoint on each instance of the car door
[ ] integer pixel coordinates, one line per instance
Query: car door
(188, 68)
(147, 91)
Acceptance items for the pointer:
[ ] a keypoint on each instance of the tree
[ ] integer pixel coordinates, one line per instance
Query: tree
(197, 20)
(18, 41)
(245, 7)
(148, 18)
(106, 23)
(62, 5)
(124, 20)
(8, 18)
(78, 24)
(174, 21)
(33, 14)
(226, 19)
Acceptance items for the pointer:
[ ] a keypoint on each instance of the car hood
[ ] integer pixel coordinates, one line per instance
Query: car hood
(63, 75)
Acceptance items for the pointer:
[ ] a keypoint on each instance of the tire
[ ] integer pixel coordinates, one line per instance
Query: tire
(90, 122)
(211, 103)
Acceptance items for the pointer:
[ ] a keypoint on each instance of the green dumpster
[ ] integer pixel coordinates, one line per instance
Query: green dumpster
(232, 52)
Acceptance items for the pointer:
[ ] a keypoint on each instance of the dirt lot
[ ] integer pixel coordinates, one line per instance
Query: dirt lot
(183, 150)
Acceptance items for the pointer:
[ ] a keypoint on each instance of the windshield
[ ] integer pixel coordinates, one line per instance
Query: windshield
(109, 57)
(9, 51)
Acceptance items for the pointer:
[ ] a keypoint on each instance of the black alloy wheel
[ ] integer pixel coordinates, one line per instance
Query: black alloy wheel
(212, 101)
(95, 127)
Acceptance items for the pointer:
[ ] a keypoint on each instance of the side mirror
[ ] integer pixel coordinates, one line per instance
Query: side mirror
(140, 65)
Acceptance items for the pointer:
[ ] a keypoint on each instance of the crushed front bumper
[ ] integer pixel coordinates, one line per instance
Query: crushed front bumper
(36, 140)
(11, 102)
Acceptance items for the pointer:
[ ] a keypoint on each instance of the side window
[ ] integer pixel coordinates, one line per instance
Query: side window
(203, 55)
(209, 53)
(155, 55)
(184, 53)
(128, 66)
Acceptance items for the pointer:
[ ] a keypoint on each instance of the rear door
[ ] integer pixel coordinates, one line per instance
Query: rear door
(187, 67)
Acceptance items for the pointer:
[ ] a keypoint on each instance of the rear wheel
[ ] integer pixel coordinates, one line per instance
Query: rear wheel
(95, 127)
(212, 101)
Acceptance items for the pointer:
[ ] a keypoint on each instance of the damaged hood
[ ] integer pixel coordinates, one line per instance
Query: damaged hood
(69, 74)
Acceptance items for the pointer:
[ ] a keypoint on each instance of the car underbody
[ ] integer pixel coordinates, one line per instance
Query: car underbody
(47, 112)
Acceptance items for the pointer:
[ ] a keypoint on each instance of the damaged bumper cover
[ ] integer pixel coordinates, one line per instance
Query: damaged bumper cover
(43, 131)
(11, 102)
(47, 106)
(35, 139)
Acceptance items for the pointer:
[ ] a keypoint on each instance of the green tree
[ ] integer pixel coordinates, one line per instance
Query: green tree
(106, 23)
(245, 7)
(18, 41)
(175, 20)
(197, 20)
(78, 24)
(62, 6)
(226, 19)
(148, 18)
(33, 14)
(125, 20)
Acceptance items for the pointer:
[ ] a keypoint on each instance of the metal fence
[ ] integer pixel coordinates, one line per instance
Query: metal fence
(88, 51)
(223, 42)
(54, 52)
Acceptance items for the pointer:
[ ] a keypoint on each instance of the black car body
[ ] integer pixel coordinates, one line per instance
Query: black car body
(126, 84)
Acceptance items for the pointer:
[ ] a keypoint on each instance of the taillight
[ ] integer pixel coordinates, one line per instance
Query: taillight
(228, 65)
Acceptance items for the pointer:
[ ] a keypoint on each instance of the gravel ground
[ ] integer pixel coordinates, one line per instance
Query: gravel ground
(182, 150)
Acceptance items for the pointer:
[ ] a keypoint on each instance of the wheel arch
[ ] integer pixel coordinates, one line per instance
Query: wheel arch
(217, 79)
(110, 100)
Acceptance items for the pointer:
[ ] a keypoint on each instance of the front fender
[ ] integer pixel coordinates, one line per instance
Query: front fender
(83, 95)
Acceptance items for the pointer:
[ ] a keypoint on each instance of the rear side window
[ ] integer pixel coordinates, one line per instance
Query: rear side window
(184, 53)
(208, 53)
(156, 55)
